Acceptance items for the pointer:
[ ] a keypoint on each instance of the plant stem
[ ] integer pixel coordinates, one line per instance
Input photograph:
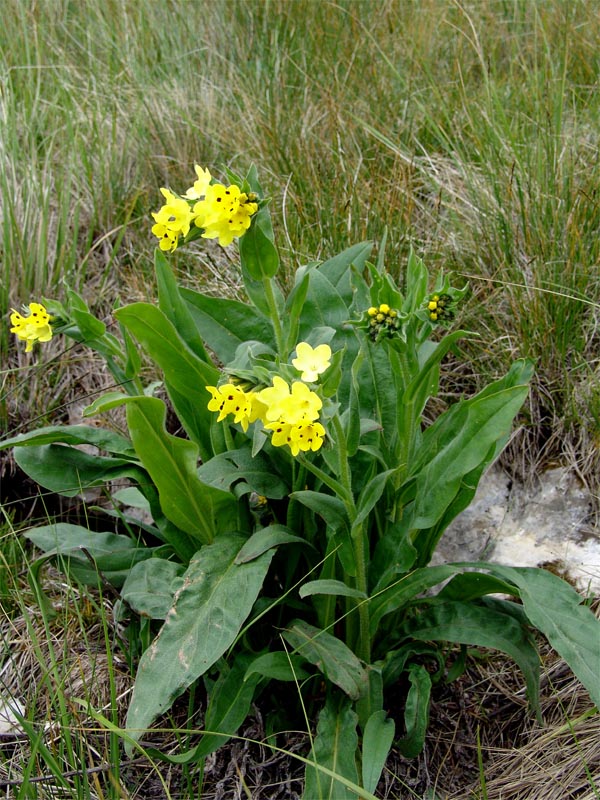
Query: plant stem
(363, 645)
(270, 298)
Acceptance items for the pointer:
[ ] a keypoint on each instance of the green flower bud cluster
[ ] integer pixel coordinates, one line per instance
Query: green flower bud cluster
(382, 321)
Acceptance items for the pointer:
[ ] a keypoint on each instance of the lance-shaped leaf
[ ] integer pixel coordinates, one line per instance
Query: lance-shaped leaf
(72, 434)
(416, 711)
(258, 253)
(555, 608)
(377, 741)
(333, 658)
(460, 440)
(68, 471)
(184, 371)
(334, 747)
(172, 464)
(466, 623)
(215, 599)
(226, 324)
(173, 306)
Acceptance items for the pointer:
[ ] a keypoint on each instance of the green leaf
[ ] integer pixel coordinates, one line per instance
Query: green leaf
(456, 444)
(278, 665)
(329, 586)
(330, 508)
(67, 471)
(258, 253)
(416, 712)
(104, 403)
(211, 606)
(72, 434)
(246, 473)
(337, 270)
(334, 747)
(264, 539)
(472, 585)
(369, 496)
(323, 306)
(555, 609)
(400, 593)
(226, 324)
(377, 742)
(183, 370)
(172, 305)
(172, 463)
(332, 657)
(229, 704)
(150, 587)
(86, 552)
(467, 623)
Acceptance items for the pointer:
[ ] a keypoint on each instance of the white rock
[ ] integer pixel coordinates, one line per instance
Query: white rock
(550, 525)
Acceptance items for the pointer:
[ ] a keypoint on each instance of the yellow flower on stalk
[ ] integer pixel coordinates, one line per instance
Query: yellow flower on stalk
(290, 405)
(305, 435)
(312, 362)
(33, 328)
(230, 399)
(200, 186)
(224, 213)
(173, 220)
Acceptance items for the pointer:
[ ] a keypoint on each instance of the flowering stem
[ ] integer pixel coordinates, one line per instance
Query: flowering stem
(272, 303)
(363, 647)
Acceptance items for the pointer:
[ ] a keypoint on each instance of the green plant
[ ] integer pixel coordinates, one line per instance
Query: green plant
(291, 534)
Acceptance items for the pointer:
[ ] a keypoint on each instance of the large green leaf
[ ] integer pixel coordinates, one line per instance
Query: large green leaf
(182, 369)
(337, 269)
(405, 589)
(416, 711)
(109, 441)
(151, 585)
(333, 658)
(457, 443)
(467, 623)
(211, 606)
(334, 747)
(65, 470)
(84, 553)
(555, 608)
(172, 462)
(172, 305)
(239, 470)
(377, 742)
(225, 324)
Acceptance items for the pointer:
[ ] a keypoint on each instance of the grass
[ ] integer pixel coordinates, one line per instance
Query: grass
(467, 130)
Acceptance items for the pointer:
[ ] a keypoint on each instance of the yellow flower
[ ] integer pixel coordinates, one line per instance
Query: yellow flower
(173, 220)
(304, 435)
(230, 399)
(224, 213)
(200, 186)
(312, 362)
(35, 327)
(290, 406)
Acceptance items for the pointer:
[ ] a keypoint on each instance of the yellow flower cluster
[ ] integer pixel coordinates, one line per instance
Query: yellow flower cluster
(383, 320)
(439, 308)
(223, 212)
(33, 328)
(290, 412)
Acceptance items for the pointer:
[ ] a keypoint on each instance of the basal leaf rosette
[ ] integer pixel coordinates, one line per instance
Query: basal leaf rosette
(208, 209)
